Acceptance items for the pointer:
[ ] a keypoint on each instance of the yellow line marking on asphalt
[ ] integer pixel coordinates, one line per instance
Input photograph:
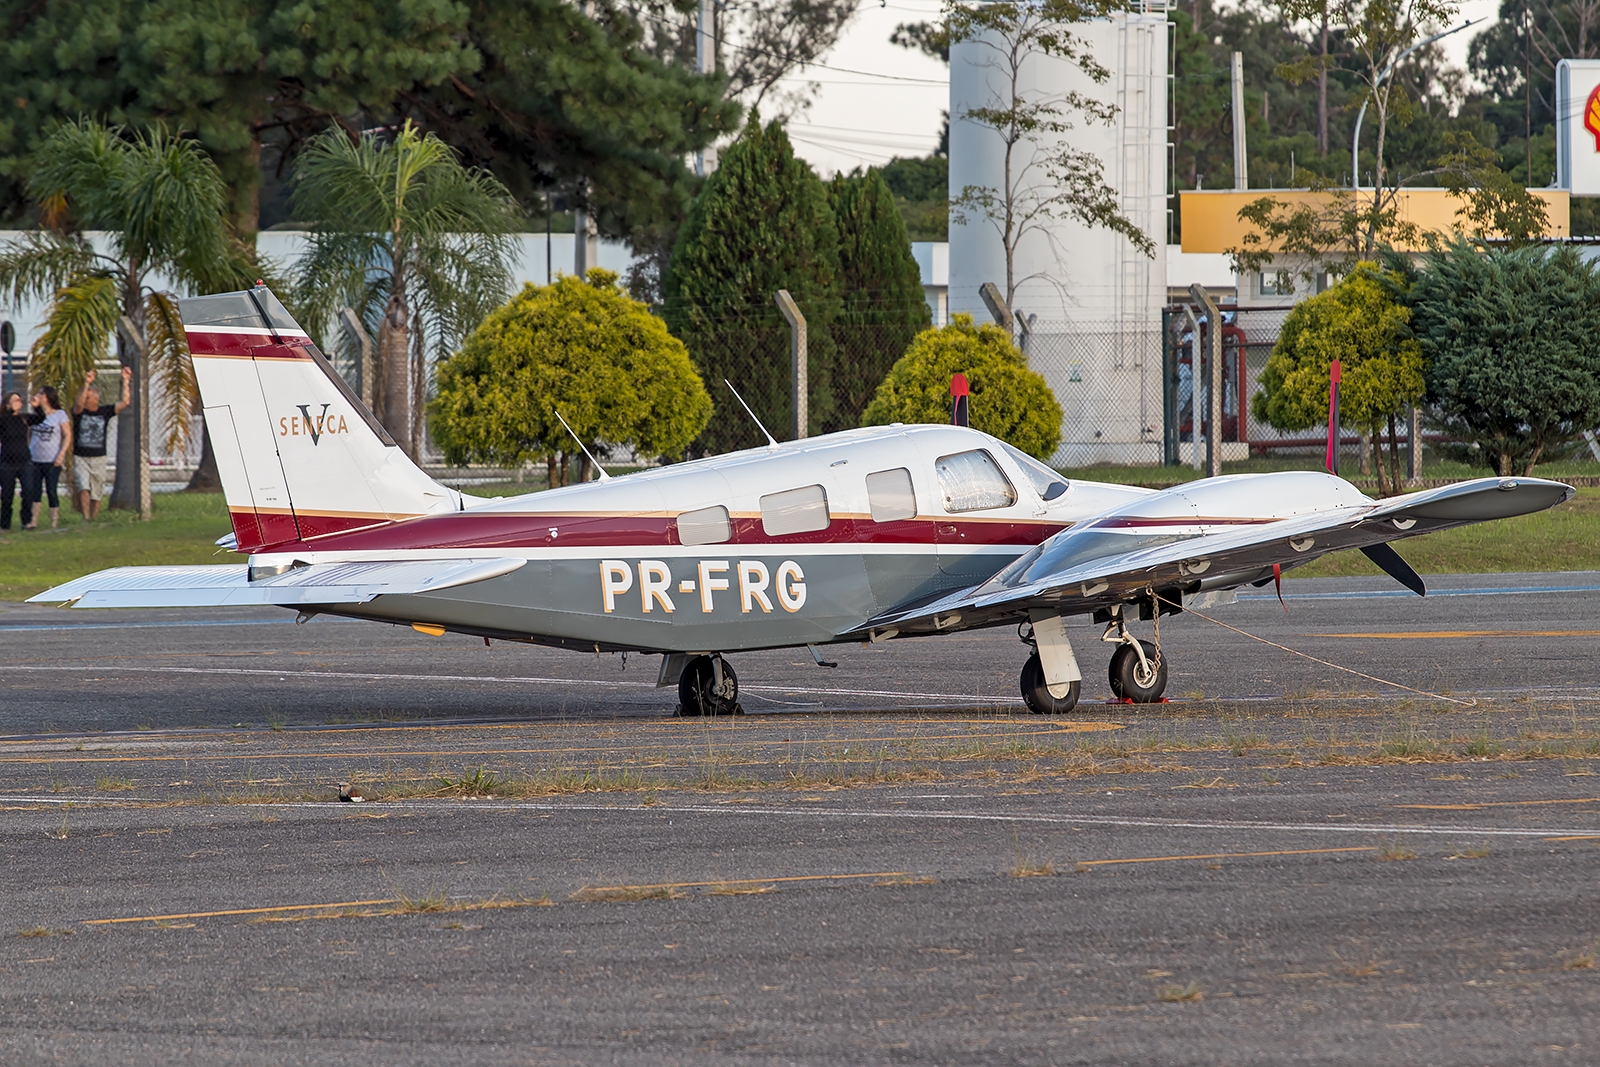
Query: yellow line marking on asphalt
(1575, 837)
(751, 881)
(237, 911)
(1428, 635)
(1230, 855)
(1494, 804)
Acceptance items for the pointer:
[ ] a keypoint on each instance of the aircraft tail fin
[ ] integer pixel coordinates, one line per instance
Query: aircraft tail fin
(299, 454)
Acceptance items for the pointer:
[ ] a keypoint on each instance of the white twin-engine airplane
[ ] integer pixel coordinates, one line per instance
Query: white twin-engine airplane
(864, 535)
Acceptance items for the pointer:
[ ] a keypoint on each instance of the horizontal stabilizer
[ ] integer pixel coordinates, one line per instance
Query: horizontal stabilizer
(230, 585)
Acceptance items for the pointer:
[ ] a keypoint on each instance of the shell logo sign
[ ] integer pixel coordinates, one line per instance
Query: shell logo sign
(1578, 126)
(1591, 116)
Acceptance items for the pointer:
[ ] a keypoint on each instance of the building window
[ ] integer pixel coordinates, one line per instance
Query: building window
(1275, 283)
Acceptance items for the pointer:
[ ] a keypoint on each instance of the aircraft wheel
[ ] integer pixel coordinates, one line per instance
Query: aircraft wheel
(699, 694)
(1036, 693)
(1133, 681)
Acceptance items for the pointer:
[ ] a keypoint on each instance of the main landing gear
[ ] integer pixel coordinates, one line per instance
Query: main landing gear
(708, 686)
(1051, 683)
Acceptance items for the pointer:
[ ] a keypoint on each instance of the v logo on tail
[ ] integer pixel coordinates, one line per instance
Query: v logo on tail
(254, 363)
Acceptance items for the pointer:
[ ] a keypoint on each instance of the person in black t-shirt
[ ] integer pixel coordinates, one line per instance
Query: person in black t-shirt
(90, 426)
(15, 424)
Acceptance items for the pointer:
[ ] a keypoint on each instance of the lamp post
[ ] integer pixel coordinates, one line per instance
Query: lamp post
(1355, 141)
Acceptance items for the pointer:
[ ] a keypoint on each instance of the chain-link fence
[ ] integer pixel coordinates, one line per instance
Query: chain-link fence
(1107, 376)
(1248, 337)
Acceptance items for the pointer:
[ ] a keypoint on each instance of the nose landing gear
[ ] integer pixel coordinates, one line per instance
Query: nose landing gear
(1138, 669)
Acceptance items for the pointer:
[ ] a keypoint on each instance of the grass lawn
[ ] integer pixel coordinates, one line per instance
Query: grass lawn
(186, 524)
(182, 531)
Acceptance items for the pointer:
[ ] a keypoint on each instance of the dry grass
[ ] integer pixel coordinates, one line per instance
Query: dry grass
(46, 931)
(739, 889)
(626, 893)
(1394, 852)
(1024, 868)
(1470, 853)
(108, 784)
(1175, 994)
(1582, 962)
(905, 879)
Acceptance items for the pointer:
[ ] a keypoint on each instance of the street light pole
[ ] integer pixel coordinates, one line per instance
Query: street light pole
(1355, 141)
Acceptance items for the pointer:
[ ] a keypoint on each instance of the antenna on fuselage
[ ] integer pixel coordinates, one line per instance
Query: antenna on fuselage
(770, 439)
(603, 475)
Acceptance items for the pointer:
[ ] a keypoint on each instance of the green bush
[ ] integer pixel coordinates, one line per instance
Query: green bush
(1008, 400)
(1514, 339)
(1363, 323)
(580, 348)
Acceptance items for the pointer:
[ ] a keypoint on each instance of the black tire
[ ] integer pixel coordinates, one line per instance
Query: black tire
(1130, 683)
(1036, 694)
(697, 689)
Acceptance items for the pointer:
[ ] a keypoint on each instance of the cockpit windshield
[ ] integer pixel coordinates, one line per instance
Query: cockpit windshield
(1046, 482)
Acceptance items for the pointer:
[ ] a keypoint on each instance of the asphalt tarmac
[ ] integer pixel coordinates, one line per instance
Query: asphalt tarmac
(890, 862)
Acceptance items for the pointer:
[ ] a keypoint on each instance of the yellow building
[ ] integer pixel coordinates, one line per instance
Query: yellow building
(1211, 224)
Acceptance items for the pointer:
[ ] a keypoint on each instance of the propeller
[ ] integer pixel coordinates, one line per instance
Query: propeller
(1389, 561)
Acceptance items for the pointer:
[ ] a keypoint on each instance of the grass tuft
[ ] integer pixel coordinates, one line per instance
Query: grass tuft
(1175, 994)
(45, 931)
(1393, 852)
(626, 893)
(110, 784)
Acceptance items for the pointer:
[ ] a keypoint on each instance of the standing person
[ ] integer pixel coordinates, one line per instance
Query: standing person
(51, 437)
(89, 423)
(15, 461)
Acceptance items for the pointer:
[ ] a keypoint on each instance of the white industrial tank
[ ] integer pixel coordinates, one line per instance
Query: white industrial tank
(1091, 299)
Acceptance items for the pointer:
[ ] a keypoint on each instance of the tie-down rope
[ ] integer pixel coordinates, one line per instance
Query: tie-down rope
(1314, 659)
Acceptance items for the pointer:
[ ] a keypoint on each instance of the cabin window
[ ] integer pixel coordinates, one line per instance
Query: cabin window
(890, 496)
(708, 526)
(972, 481)
(1046, 482)
(796, 511)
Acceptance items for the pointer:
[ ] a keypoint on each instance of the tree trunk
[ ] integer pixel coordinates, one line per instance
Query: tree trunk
(1538, 450)
(419, 386)
(550, 471)
(1364, 451)
(1375, 435)
(394, 373)
(1394, 455)
(125, 487)
(206, 478)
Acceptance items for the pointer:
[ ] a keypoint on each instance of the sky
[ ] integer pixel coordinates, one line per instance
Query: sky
(877, 101)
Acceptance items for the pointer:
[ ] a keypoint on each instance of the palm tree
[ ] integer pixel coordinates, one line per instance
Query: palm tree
(415, 242)
(161, 201)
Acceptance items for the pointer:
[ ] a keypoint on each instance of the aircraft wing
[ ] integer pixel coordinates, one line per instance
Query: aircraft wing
(229, 585)
(1222, 560)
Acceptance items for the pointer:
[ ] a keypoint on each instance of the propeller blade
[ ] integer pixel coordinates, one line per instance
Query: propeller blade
(1389, 561)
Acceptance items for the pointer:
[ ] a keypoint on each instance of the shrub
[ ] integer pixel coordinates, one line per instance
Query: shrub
(1008, 400)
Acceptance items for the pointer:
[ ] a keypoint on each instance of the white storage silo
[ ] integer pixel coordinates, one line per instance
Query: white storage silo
(1092, 298)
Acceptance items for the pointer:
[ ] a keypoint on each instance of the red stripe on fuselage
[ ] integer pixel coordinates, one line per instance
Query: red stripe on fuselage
(1133, 522)
(496, 530)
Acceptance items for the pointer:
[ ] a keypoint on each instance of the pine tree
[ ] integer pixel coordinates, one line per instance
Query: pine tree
(883, 303)
(762, 223)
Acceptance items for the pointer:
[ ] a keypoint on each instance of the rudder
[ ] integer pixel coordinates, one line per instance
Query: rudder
(300, 456)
